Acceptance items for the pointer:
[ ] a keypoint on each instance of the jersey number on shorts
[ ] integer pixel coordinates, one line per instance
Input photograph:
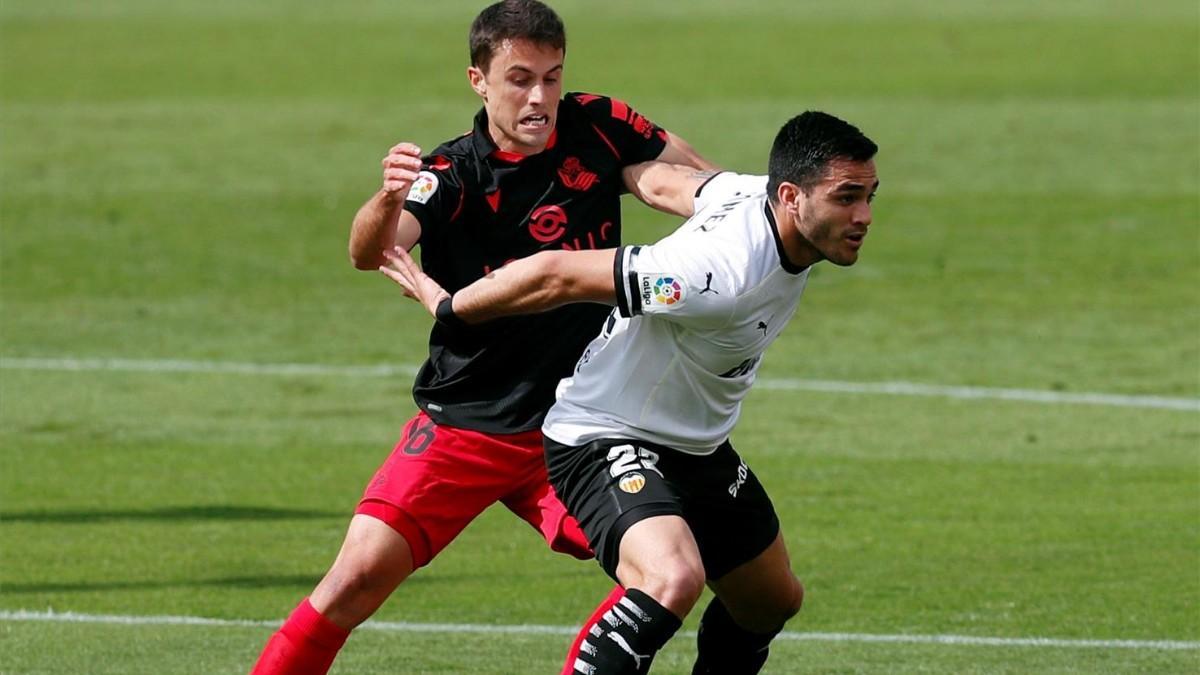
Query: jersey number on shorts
(420, 438)
(626, 458)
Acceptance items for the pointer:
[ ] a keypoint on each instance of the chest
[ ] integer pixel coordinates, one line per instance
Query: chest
(757, 320)
(571, 203)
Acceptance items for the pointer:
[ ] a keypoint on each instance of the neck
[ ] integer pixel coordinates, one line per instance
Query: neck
(505, 143)
(798, 250)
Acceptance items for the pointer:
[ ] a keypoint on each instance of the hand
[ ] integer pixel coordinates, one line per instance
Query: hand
(400, 169)
(417, 285)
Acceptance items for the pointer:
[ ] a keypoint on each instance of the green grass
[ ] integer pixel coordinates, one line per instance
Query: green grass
(177, 180)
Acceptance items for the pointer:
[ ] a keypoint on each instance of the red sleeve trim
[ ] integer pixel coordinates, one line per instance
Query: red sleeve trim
(620, 110)
(458, 209)
(606, 141)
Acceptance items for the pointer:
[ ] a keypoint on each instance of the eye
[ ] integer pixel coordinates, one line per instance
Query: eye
(846, 200)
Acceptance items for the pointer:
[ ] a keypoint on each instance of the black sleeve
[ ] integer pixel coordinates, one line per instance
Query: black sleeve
(629, 297)
(631, 136)
(436, 197)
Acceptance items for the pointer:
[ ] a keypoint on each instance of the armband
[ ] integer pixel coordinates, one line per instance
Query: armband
(446, 316)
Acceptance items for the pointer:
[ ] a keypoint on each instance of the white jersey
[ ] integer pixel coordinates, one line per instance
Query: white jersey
(695, 312)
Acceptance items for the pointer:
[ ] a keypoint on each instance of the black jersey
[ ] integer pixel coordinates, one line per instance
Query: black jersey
(479, 208)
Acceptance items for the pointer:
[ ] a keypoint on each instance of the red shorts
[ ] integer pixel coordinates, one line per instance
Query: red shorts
(439, 478)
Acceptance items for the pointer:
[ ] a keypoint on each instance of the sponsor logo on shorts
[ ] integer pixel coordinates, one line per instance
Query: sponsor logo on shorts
(743, 472)
(632, 483)
(423, 187)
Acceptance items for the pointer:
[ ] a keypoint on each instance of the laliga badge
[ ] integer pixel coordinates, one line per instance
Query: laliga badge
(632, 483)
(423, 187)
(663, 290)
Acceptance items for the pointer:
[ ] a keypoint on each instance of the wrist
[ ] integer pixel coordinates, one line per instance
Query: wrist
(445, 314)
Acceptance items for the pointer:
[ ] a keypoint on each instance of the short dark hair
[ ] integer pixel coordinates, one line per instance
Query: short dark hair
(514, 20)
(807, 143)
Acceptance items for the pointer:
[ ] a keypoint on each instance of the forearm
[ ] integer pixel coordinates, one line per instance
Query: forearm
(538, 283)
(670, 188)
(374, 230)
(679, 151)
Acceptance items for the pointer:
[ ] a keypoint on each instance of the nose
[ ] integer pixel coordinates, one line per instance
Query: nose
(537, 94)
(862, 215)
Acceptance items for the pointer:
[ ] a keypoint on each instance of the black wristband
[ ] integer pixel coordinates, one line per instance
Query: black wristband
(446, 316)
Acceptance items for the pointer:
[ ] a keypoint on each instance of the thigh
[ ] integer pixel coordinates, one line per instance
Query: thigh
(609, 485)
(728, 510)
(436, 481)
(535, 501)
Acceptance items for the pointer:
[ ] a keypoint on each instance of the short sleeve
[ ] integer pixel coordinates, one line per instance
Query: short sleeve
(628, 133)
(728, 185)
(679, 279)
(436, 195)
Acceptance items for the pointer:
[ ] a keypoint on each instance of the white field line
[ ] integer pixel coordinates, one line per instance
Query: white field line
(826, 386)
(533, 629)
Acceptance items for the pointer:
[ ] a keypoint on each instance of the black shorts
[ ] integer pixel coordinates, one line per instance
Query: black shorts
(610, 484)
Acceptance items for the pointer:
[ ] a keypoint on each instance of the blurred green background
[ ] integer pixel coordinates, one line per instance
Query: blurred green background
(177, 181)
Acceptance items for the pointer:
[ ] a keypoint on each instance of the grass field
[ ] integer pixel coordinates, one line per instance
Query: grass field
(176, 185)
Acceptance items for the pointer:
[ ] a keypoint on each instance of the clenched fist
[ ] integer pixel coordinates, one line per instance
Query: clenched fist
(400, 169)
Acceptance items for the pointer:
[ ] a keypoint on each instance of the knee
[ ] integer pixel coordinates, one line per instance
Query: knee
(795, 600)
(355, 578)
(355, 586)
(788, 603)
(676, 585)
(769, 612)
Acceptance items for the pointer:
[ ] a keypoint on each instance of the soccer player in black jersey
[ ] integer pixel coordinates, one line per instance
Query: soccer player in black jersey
(539, 171)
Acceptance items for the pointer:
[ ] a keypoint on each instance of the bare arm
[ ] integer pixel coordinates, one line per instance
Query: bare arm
(534, 284)
(670, 188)
(664, 183)
(382, 223)
(679, 151)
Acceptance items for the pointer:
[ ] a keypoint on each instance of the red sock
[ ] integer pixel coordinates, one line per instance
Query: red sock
(306, 644)
(613, 598)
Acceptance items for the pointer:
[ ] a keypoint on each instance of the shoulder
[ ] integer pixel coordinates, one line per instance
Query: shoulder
(594, 105)
(601, 109)
(452, 155)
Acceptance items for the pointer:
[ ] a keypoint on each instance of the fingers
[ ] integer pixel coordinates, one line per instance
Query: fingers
(401, 275)
(400, 279)
(402, 268)
(406, 149)
(400, 167)
(403, 155)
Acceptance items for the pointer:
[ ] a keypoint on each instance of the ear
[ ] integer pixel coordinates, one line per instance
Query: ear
(478, 81)
(790, 196)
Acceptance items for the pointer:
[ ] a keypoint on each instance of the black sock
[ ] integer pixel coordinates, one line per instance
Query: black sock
(625, 639)
(725, 648)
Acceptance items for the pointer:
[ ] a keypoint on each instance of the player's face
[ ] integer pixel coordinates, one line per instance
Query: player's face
(836, 215)
(520, 91)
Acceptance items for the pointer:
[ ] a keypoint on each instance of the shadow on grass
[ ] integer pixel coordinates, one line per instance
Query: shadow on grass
(301, 582)
(170, 513)
(250, 582)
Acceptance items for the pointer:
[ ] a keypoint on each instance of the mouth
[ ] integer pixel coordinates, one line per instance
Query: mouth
(856, 239)
(534, 123)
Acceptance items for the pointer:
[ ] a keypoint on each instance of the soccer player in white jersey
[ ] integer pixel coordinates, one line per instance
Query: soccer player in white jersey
(637, 444)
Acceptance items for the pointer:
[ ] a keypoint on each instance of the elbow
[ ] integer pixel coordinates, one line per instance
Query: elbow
(554, 281)
(362, 260)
